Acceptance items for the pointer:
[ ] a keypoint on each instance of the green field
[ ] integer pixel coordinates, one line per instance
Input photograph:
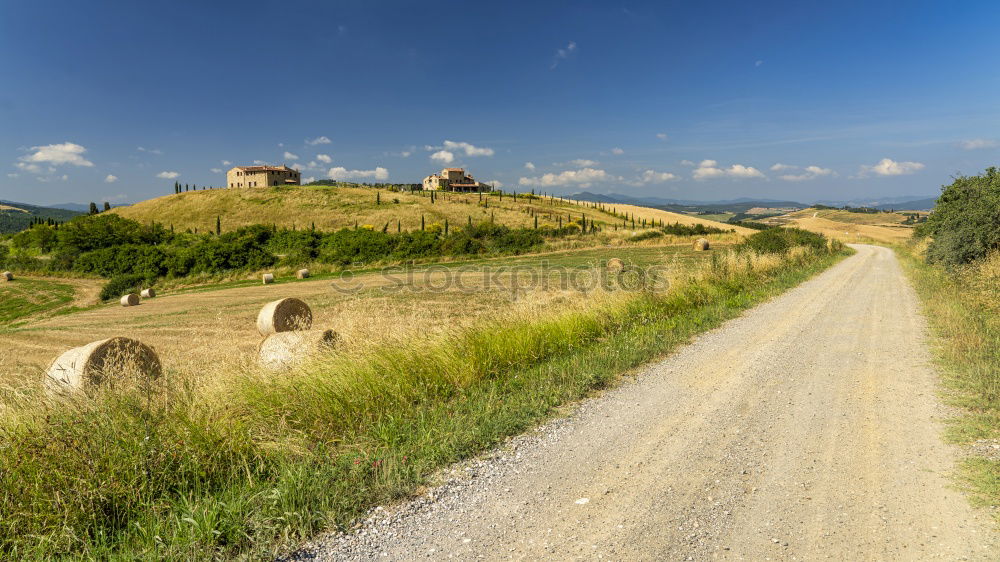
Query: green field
(22, 298)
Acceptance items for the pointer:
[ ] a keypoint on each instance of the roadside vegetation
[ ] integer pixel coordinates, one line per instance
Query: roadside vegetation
(245, 463)
(955, 264)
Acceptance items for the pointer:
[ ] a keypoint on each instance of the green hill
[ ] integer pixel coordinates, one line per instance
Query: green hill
(15, 217)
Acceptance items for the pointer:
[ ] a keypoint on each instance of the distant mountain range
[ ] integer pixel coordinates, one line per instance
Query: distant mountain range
(741, 204)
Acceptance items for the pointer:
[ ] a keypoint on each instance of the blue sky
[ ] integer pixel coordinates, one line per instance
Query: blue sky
(695, 100)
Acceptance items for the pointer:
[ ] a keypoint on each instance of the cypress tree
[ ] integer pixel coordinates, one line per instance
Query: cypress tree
(446, 227)
(93, 208)
(399, 226)
(536, 222)
(421, 222)
(218, 225)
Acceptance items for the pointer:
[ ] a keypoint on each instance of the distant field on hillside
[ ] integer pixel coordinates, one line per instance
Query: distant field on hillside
(840, 215)
(332, 208)
(15, 217)
(847, 226)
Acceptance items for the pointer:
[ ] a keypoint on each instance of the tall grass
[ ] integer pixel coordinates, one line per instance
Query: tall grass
(963, 308)
(179, 469)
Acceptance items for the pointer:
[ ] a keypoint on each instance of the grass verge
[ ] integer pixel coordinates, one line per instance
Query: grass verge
(961, 307)
(257, 464)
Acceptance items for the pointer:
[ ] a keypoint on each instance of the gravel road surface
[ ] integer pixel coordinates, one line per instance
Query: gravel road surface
(806, 429)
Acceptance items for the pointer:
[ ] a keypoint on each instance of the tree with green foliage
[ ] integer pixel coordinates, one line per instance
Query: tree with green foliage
(93, 208)
(965, 224)
(107, 206)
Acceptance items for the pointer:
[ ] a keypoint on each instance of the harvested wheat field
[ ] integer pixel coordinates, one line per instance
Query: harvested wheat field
(848, 227)
(210, 331)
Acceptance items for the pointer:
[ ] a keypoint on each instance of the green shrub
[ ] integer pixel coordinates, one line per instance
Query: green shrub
(780, 240)
(647, 235)
(678, 229)
(965, 224)
(122, 284)
(127, 259)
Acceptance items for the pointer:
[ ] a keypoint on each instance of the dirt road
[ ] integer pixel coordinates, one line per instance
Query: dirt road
(806, 429)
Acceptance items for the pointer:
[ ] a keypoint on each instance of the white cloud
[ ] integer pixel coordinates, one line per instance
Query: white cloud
(290, 156)
(341, 173)
(149, 150)
(216, 170)
(779, 167)
(443, 156)
(318, 140)
(260, 163)
(494, 183)
(758, 62)
(226, 163)
(167, 175)
(582, 178)
(652, 176)
(310, 179)
(582, 163)
(110, 178)
(469, 149)
(529, 165)
(617, 151)
(661, 136)
(975, 144)
(810, 173)
(687, 163)
(13, 175)
(56, 155)
(324, 158)
(406, 153)
(28, 167)
(708, 169)
(889, 167)
(564, 53)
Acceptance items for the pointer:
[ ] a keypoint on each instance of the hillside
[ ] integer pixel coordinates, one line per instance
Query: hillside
(331, 208)
(847, 226)
(15, 217)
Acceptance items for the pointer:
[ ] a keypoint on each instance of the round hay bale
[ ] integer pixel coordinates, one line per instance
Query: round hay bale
(286, 349)
(130, 299)
(302, 274)
(701, 244)
(148, 293)
(268, 278)
(284, 315)
(615, 265)
(113, 359)
(7, 276)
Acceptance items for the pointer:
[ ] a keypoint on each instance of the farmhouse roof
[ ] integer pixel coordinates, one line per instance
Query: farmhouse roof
(265, 168)
(454, 169)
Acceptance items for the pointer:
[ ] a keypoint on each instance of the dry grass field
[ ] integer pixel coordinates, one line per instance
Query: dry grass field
(203, 331)
(849, 227)
(666, 216)
(331, 208)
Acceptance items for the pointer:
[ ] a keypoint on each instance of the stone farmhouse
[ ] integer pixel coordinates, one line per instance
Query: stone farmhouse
(262, 176)
(454, 179)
